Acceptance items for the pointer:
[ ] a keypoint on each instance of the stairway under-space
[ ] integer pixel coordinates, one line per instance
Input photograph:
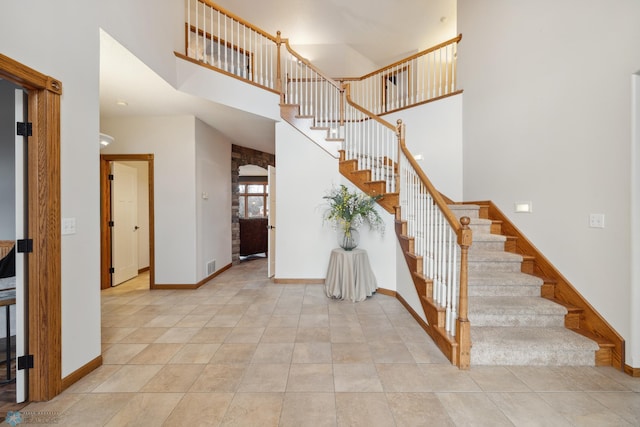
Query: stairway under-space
(511, 324)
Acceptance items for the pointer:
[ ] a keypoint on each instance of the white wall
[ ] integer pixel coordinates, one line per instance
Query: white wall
(304, 174)
(547, 119)
(434, 130)
(634, 301)
(172, 142)
(213, 213)
(57, 43)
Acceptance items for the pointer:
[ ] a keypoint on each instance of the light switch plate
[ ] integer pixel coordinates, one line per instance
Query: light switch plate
(68, 226)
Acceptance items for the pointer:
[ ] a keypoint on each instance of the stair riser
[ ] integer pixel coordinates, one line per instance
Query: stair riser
(498, 357)
(513, 320)
(471, 213)
(480, 228)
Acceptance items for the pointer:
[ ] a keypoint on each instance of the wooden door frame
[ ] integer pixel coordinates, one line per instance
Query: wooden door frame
(44, 336)
(105, 214)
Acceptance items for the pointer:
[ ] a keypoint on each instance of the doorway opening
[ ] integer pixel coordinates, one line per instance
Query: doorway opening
(42, 220)
(141, 237)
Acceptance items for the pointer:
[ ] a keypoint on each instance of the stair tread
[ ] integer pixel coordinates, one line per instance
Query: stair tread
(510, 305)
(493, 256)
(487, 237)
(503, 278)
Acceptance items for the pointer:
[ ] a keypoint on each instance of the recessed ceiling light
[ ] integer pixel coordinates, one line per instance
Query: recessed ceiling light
(122, 103)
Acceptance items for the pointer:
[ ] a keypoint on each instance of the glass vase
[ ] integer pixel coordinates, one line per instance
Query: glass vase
(348, 238)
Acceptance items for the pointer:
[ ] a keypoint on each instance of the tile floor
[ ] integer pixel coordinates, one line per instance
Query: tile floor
(242, 351)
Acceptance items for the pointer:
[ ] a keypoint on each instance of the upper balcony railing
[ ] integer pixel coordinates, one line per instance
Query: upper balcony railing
(226, 42)
(423, 77)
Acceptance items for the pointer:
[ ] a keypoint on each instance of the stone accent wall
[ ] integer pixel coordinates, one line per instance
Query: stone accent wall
(241, 156)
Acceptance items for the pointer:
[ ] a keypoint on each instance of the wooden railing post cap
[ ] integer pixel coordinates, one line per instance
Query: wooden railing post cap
(465, 236)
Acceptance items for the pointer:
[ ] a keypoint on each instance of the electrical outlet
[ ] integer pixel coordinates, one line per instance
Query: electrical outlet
(596, 220)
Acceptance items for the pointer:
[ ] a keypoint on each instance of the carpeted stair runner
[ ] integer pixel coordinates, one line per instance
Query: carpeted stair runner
(510, 323)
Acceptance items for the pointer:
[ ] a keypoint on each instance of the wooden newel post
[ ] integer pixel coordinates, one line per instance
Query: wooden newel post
(463, 327)
(279, 67)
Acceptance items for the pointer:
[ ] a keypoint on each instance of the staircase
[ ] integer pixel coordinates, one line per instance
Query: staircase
(511, 324)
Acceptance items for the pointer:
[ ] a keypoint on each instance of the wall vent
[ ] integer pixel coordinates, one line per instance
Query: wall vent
(211, 267)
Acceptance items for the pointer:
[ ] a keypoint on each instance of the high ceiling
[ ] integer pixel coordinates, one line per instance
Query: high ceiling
(375, 31)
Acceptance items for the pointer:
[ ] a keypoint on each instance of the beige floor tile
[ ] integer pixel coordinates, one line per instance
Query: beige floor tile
(245, 335)
(312, 352)
(254, 409)
(211, 335)
(164, 320)
(348, 333)
(156, 354)
(363, 409)
(497, 379)
(94, 409)
(224, 321)
(200, 409)
(392, 352)
(194, 320)
(177, 335)
(583, 410)
(218, 379)
(353, 377)
(402, 377)
(314, 320)
(447, 378)
(265, 378)
(144, 335)
(473, 409)
(625, 404)
(118, 354)
(279, 334)
(590, 379)
(146, 409)
(89, 382)
(418, 409)
(173, 378)
(273, 353)
(309, 377)
(523, 408)
(114, 335)
(313, 335)
(351, 353)
(205, 309)
(544, 378)
(284, 321)
(195, 353)
(428, 353)
(129, 378)
(231, 353)
(308, 410)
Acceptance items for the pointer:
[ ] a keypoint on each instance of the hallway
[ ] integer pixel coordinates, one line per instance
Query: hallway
(243, 351)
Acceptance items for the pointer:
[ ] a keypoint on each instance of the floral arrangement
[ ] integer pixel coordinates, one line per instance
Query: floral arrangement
(349, 210)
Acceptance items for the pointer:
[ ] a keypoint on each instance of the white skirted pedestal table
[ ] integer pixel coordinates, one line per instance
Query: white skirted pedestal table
(349, 275)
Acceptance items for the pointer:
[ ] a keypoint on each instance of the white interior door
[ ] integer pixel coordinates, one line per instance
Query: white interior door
(124, 214)
(271, 246)
(21, 302)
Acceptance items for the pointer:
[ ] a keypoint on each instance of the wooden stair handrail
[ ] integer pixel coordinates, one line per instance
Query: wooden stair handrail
(238, 19)
(409, 58)
(347, 91)
(310, 65)
(437, 197)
